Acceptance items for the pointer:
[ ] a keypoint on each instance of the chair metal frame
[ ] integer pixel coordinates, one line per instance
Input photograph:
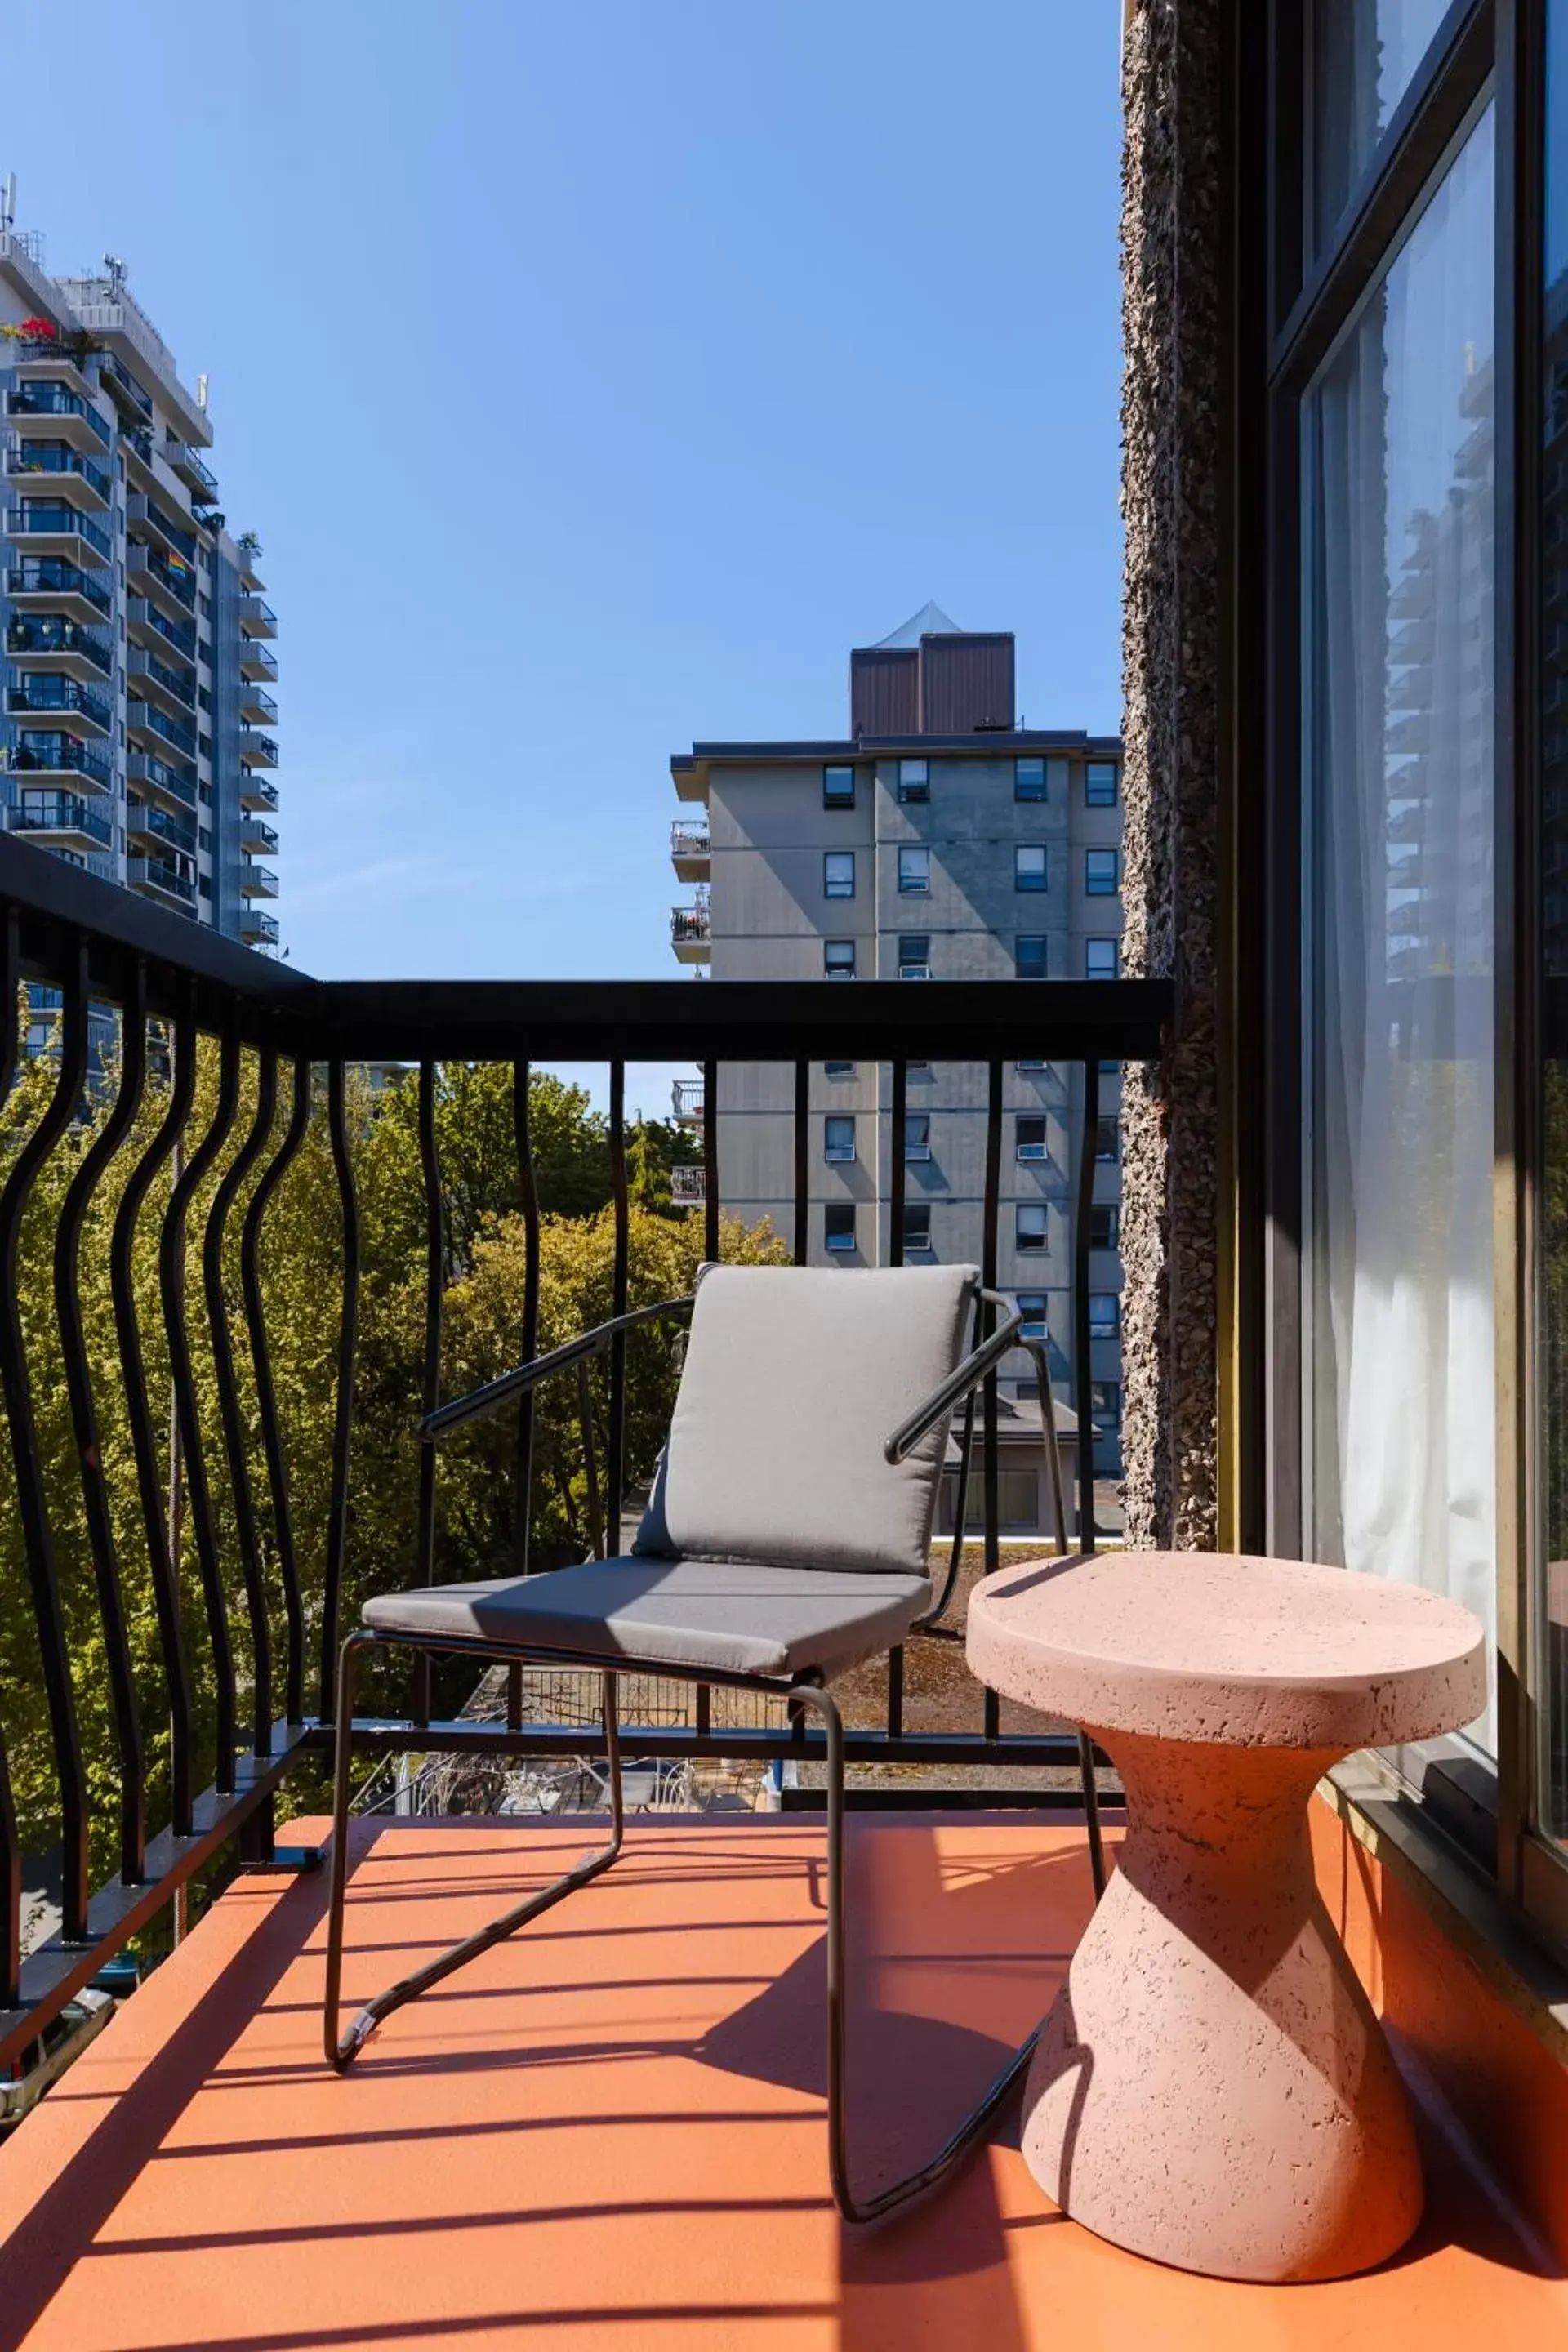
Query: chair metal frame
(807, 1690)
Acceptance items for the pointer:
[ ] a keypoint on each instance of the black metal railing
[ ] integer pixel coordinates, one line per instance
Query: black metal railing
(41, 518)
(51, 633)
(218, 1638)
(50, 575)
(33, 457)
(56, 400)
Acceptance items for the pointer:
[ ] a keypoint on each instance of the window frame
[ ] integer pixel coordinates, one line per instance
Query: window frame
(1024, 1212)
(918, 854)
(1023, 787)
(917, 1147)
(1101, 888)
(1036, 1152)
(1031, 938)
(1094, 793)
(831, 798)
(1094, 951)
(830, 888)
(840, 1158)
(910, 966)
(1026, 878)
(909, 1238)
(839, 1237)
(844, 969)
(913, 791)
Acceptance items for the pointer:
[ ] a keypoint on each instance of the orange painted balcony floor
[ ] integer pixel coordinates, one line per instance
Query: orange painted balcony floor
(609, 2132)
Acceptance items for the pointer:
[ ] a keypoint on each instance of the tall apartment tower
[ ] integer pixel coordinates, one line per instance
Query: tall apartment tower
(137, 731)
(937, 840)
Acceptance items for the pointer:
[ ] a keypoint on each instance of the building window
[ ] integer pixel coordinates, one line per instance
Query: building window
(839, 874)
(204, 838)
(204, 885)
(838, 1225)
(838, 1136)
(917, 1227)
(1101, 960)
(1031, 1306)
(914, 780)
(915, 873)
(839, 788)
(1029, 868)
(917, 1135)
(1029, 958)
(1101, 874)
(1104, 1314)
(1099, 783)
(838, 1069)
(1107, 1138)
(914, 955)
(1030, 1227)
(1104, 1225)
(838, 958)
(1029, 780)
(1031, 1065)
(1105, 1404)
(1031, 1137)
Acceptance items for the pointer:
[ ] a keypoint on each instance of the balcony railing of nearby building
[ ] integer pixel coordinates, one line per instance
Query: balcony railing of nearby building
(149, 515)
(180, 582)
(252, 1682)
(50, 575)
(256, 618)
(42, 753)
(189, 465)
(257, 750)
(37, 519)
(258, 882)
(49, 633)
(28, 460)
(260, 660)
(257, 837)
(139, 614)
(146, 768)
(689, 1184)
(253, 701)
(689, 844)
(180, 832)
(60, 813)
(150, 719)
(180, 682)
(123, 386)
(258, 790)
(56, 400)
(688, 1097)
(254, 923)
(688, 925)
(47, 696)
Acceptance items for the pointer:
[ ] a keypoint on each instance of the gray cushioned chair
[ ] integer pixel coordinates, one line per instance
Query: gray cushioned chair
(787, 1539)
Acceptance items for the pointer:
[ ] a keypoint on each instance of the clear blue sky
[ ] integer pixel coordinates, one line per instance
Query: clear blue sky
(595, 374)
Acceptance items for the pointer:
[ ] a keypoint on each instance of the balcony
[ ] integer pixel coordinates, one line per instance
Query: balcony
(152, 627)
(155, 828)
(176, 689)
(689, 1100)
(257, 790)
(154, 730)
(64, 820)
(258, 882)
(55, 408)
(59, 757)
(64, 644)
(256, 618)
(197, 476)
(173, 781)
(257, 660)
(688, 1185)
(44, 583)
(161, 879)
(248, 551)
(144, 516)
(124, 388)
(46, 696)
(57, 467)
(691, 933)
(42, 526)
(257, 750)
(257, 928)
(691, 851)
(163, 580)
(256, 838)
(53, 366)
(255, 709)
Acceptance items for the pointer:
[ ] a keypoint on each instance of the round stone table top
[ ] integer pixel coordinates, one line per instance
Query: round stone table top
(1228, 1651)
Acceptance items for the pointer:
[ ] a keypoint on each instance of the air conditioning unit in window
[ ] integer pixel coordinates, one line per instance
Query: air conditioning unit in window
(915, 972)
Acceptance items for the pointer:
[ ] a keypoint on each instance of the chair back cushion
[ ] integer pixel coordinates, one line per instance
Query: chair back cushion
(795, 1376)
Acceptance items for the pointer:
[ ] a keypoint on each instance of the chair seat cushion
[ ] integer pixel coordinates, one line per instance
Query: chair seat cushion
(725, 1616)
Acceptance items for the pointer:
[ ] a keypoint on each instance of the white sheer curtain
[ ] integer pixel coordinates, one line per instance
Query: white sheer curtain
(1399, 914)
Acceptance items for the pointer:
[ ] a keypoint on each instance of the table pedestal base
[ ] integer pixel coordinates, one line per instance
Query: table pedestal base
(1211, 2087)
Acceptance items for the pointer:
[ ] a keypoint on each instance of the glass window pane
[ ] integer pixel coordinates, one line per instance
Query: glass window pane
(1030, 1227)
(1101, 958)
(917, 1224)
(1365, 54)
(838, 787)
(1031, 1138)
(1029, 870)
(915, 873)
(838, 1225)
(1397, 691)
(838, 1136)
(1100, 876)
(839, 874)
(1029, 959)
(914, 780)
(838, 958)
(917, 1135)
(1099, 783)
(1029, 779)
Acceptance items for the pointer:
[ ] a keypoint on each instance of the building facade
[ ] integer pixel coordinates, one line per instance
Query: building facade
(137, 737)
(936, 840)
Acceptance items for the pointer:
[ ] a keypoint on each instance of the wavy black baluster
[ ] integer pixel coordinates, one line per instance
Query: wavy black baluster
(1083, 1368)
(84, 1423)
(232, 1418)
(616, 1470)
(172, 1285)
(988, 1325)
(162, 1568)
(16, 1385)
(430, 1379)
(344, 1416)
(266, 1183)
(10, 1837)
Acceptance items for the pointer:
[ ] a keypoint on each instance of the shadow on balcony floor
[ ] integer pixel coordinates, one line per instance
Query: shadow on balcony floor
(609, 2132)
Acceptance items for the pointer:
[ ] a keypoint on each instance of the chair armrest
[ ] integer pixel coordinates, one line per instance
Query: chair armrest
(496, 1392)
(959, 1382)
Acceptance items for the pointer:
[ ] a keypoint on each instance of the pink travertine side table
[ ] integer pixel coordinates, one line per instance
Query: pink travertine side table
(1211, 2087)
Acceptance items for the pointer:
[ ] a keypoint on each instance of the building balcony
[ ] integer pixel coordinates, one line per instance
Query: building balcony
(149, 625)
(691, 934)
(691, 851)
(53, 527)
(155, 829)
(161, 879)
(153, 728)
(256, 619)
(257, 660)
(160, 682)
(64, 821)
(55, 410)
(33, 639)
(45, 583)
(44, 696)
(188, 464)
(248, 553)
(49, 364)
(255, 709)
(256, 838)
(258, 790)
(56, 467)
(689, 1099)
(147, 520)
(123, 389)
(161, 580)
(688, 1185)
(172, 781)
(258, 929)
(53, 756)
(257, 750)
(258, 882)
